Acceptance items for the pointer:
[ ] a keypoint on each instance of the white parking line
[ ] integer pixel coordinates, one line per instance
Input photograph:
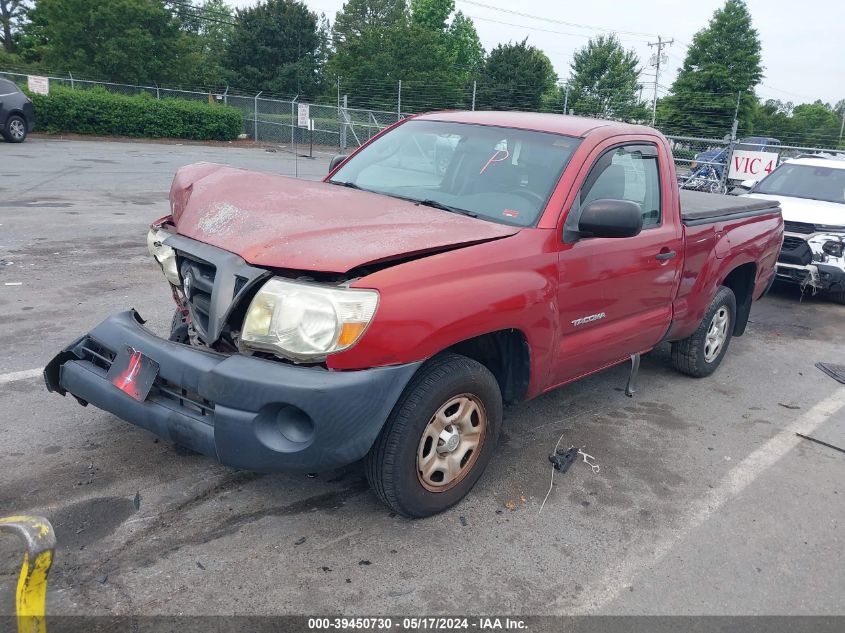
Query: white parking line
(743, 475)
(26, 374)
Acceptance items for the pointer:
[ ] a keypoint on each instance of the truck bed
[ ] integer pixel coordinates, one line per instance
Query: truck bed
(698, 207)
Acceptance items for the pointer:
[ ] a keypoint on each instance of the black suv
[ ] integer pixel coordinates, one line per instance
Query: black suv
(17, 116)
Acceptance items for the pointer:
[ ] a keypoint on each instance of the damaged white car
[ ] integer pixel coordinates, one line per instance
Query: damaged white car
(811, 192)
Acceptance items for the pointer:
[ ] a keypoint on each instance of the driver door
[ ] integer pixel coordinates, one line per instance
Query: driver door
(615, 294)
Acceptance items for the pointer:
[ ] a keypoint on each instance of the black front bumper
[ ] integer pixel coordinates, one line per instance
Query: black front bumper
(247, 412)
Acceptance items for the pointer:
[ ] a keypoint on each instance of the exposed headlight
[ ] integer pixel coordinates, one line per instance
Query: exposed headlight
(163, 254)
(833, 248)
(304, 322)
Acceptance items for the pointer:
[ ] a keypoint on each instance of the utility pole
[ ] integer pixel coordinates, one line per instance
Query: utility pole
(399, 103)
(566, 98)
(473, 101)
(658, 60)
(842, 127)
(736, 117)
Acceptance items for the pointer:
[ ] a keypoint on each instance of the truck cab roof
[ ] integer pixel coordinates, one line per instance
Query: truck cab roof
(539, 122)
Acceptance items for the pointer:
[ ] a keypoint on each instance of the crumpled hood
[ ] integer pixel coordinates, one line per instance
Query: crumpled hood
(280, 222)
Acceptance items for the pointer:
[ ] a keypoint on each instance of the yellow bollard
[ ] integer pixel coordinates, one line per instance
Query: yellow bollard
(32, 584)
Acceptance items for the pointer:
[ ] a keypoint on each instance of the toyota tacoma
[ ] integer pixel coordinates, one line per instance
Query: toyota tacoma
(455, 262)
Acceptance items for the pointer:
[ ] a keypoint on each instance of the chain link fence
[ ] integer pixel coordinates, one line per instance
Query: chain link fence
(702, 163)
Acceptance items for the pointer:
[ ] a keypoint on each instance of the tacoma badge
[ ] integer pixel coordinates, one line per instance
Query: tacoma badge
(588, 319)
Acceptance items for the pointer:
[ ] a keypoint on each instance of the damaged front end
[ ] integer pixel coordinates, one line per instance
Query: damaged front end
(813, 257)
(254, 402)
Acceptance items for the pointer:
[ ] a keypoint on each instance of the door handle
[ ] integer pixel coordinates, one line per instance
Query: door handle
(663, 256)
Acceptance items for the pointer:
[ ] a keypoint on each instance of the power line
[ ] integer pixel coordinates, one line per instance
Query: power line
(553, 20)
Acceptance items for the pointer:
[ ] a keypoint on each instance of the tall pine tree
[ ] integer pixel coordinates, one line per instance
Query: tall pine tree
(723, 62)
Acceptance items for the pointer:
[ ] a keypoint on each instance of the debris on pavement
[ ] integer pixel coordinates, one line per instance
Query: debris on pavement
(788, 406)
(137, 500)
(562, 459)
(299, 541)
(817, 441)
(837, 372)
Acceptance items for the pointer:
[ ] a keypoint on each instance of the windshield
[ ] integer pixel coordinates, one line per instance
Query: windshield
(805, 181)
(500, 174)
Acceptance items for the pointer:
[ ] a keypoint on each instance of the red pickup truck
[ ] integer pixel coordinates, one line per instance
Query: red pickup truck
(455, 262)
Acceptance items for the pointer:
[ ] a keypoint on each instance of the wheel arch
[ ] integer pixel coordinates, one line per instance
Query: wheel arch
(741, 281)
(507, 354)
(13, 112)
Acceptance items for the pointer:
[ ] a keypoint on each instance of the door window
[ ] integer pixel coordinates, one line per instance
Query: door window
(627, 173)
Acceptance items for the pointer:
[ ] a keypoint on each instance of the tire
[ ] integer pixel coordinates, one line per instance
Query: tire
(837, 296)
(16, 129)
(694, 355)
(451, 385)
(178, 328)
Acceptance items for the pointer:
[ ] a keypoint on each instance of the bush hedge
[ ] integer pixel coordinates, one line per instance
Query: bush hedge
(97, 111)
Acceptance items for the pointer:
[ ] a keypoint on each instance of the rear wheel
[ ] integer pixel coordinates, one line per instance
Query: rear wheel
(701, 353)
(15, 131)
(438, 439)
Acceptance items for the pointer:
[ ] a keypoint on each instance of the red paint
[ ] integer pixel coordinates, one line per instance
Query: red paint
(282, 222)
(527, 280)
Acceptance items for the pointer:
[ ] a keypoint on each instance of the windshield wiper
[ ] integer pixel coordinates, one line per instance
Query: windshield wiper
(349, 184)
(426, 202)
(445, 207)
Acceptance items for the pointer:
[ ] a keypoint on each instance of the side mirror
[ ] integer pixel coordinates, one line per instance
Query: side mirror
(337, 160)
(610, 218)
(748, 184)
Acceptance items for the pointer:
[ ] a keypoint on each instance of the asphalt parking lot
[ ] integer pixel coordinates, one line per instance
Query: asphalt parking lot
(706, 501)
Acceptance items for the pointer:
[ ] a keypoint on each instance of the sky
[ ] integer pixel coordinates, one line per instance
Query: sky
(803, 57)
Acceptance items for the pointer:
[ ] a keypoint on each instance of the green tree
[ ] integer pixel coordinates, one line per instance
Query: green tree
(31, 38)
(358, 16)
(11, 14)
(275, 47)
(724, 61)
(465, 45)
(371, 66)
(515, 77)
(605, 80)
(207, 30)
(133, 41)
(432, 57)
(431, 14)
(816, 124)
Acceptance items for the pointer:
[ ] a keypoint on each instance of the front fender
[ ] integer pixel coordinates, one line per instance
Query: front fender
(432, 303)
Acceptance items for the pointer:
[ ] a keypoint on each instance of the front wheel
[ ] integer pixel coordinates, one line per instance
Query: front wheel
(837, 296)
(438, 439)
(701, 353)
(15, 129)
